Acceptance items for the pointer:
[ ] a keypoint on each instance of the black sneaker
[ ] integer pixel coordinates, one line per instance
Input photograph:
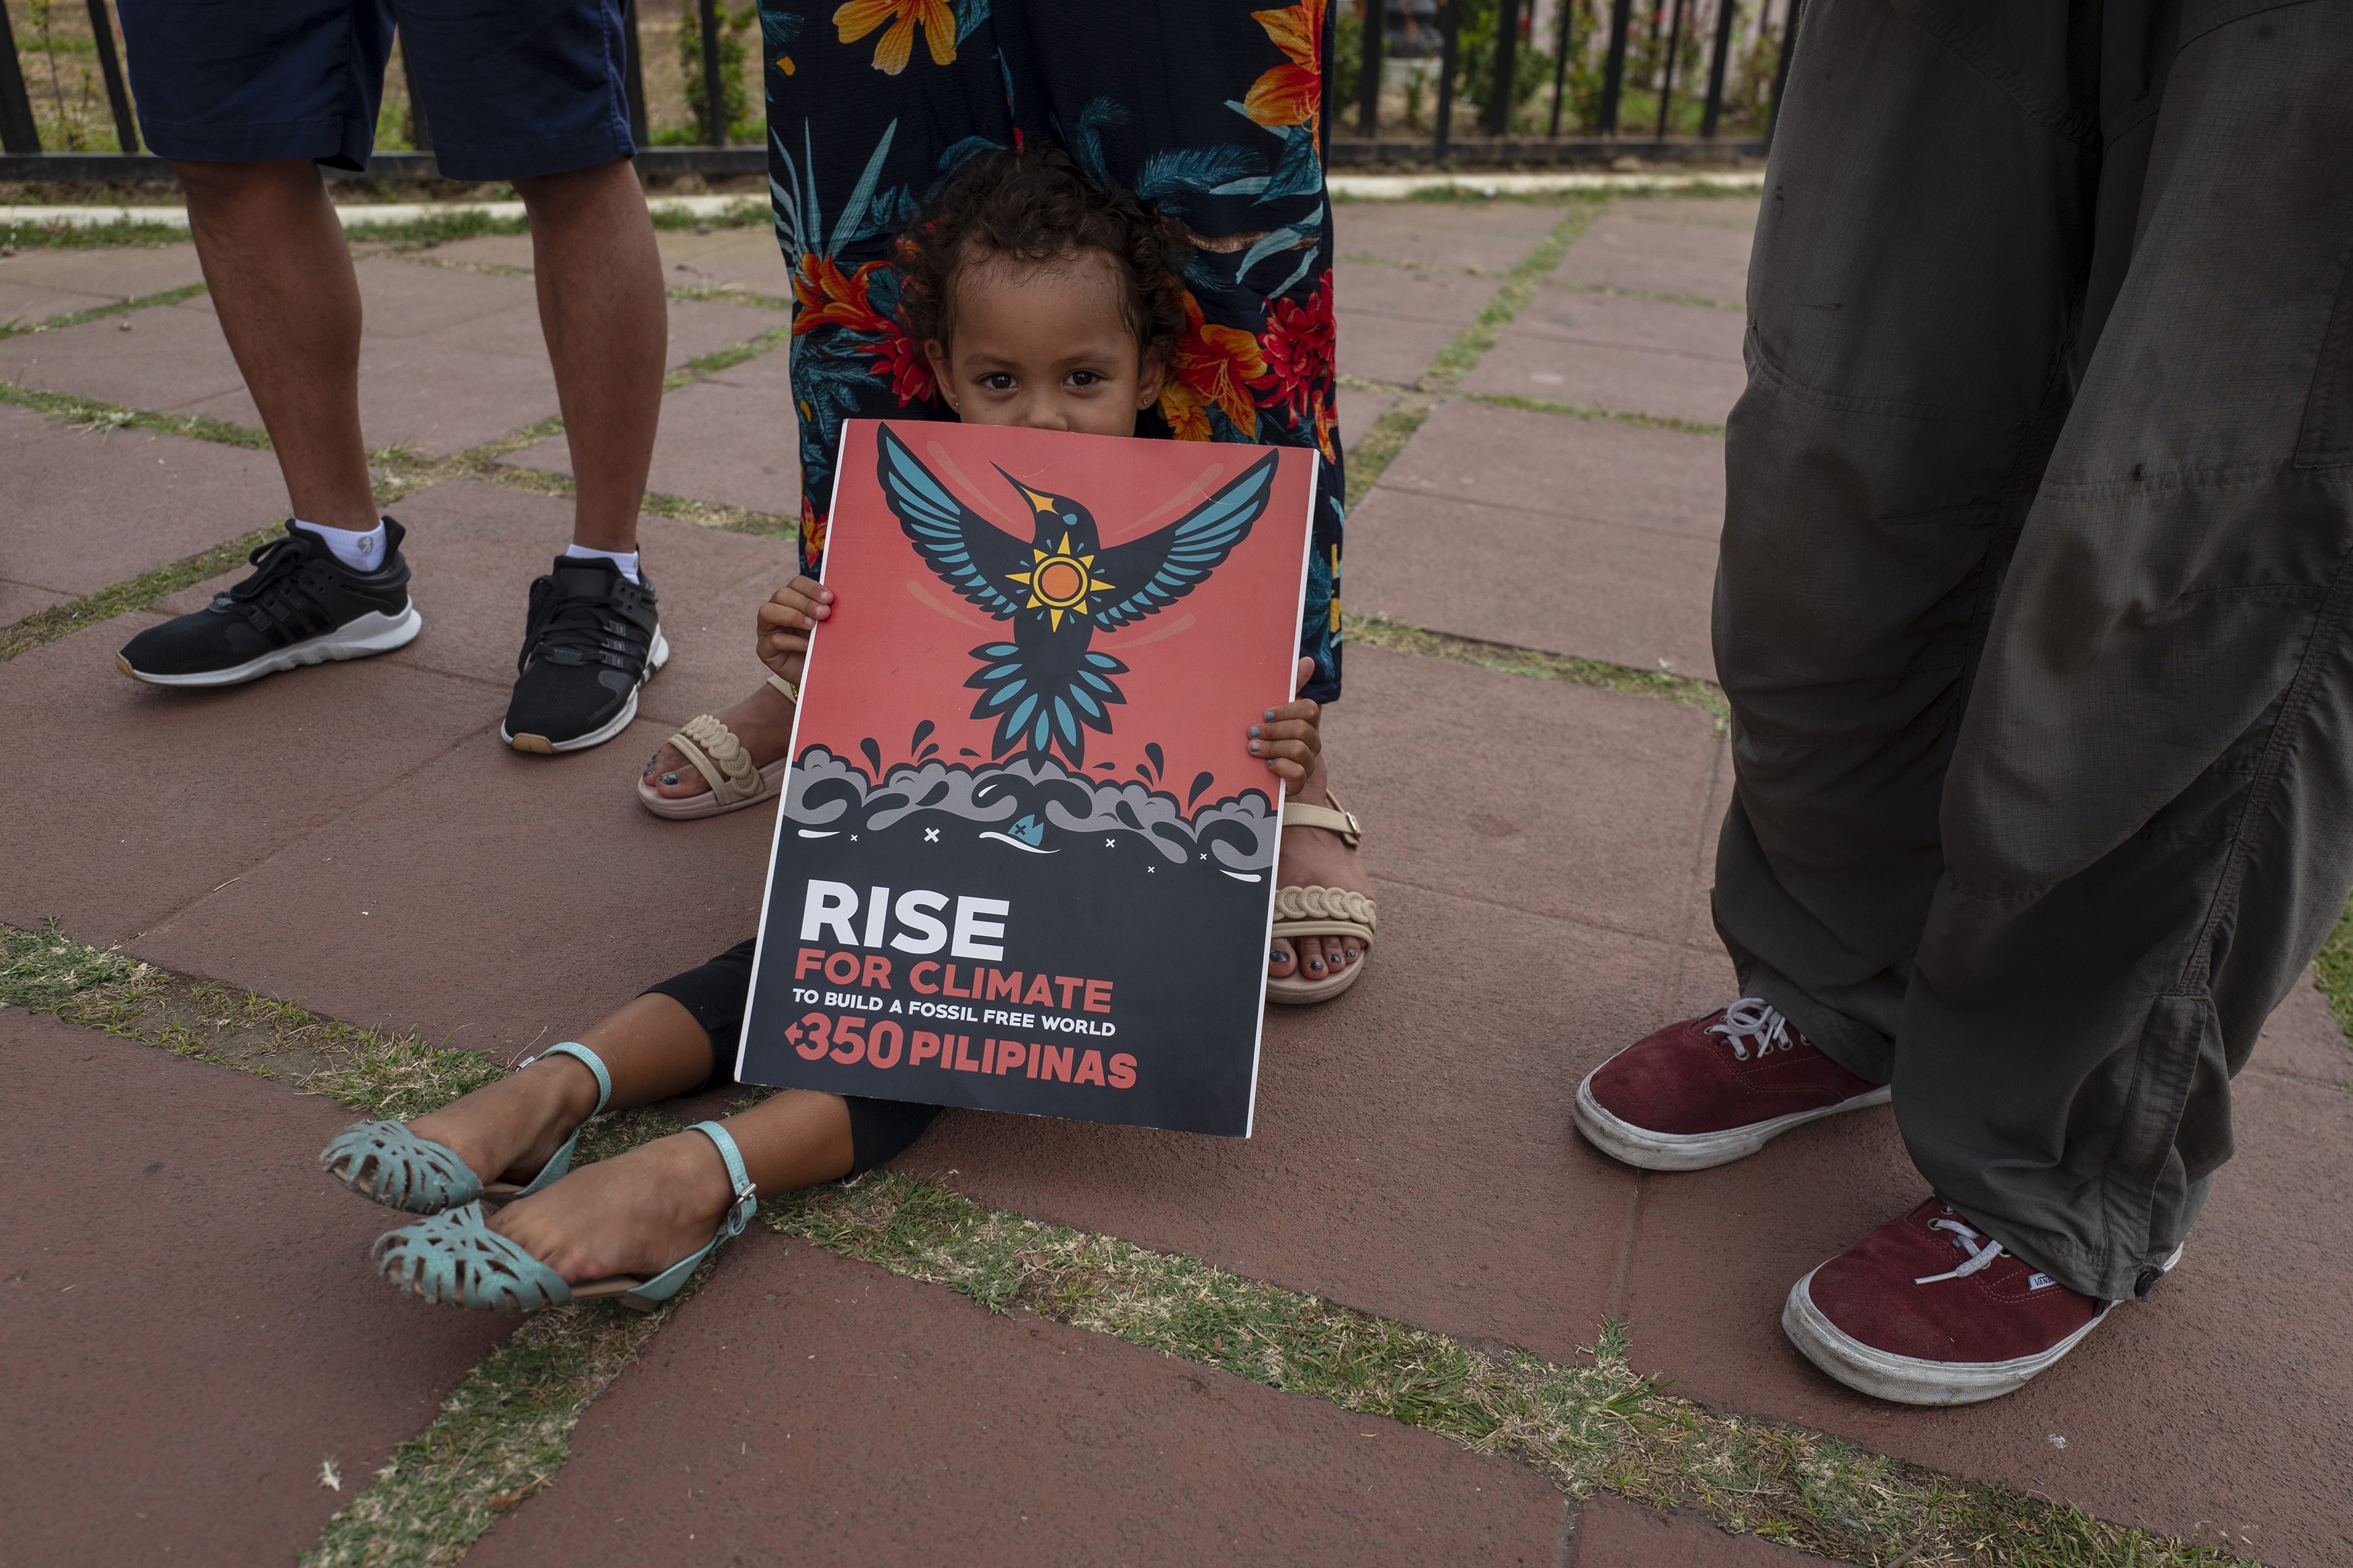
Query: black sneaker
(593, 638)
(301, 606)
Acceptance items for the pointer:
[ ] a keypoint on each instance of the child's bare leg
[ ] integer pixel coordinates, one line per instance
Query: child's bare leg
(653, 1048)
(640, 1212)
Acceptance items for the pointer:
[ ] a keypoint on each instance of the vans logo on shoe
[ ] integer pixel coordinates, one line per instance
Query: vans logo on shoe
(2040, 1281)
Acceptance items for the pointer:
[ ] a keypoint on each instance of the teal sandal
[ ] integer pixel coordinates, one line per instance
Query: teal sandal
(455, 1259)
(386, 1161)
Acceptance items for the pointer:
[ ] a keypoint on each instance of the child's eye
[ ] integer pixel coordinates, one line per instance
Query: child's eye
(1084, 377)
(998, 381)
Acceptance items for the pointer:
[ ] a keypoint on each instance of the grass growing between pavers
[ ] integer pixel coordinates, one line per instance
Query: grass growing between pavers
(2334, 969)
(471, 224)
(36, 235)
(149, 586)
(1587, 411)
(1466, 190)
(19, 326)
(1699, 300)
(1396, 636)
(1371, 454)
(1594, 1425)
(1460, 357)
(397, 471)
(501, 1434)
(504, 1431)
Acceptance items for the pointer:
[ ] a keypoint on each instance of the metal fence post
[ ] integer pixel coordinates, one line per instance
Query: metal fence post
(715, 96)
(420, 129)
(1667, 77)
(102, 31)
(1613, 68)
(1448, 30)
(1508, 65)
(1368, 78)
(1715, 111)
(18, 133)
(1560, 64)
(1782, 71)
(633, 74)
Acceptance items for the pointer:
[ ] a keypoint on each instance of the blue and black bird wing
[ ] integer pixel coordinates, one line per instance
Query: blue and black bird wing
(1150, 573)
(972, 555)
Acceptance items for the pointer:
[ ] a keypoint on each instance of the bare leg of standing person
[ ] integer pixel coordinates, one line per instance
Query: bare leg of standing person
(594, 635)
(282, 283)
(607, 326)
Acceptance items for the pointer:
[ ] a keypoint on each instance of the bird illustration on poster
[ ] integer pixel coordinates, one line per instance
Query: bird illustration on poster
(1047, 687)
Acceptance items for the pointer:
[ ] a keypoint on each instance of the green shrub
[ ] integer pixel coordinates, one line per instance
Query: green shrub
(734, 26)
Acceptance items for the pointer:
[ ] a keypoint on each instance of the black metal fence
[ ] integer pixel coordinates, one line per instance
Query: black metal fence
(22, 156)
(1434, 27)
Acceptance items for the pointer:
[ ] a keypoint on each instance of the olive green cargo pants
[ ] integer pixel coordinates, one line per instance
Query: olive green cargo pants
(2036, 603)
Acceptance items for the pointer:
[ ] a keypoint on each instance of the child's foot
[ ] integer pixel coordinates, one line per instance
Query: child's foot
(512, 1128)
(1317, 857)
(763, 725)
(635, 1213)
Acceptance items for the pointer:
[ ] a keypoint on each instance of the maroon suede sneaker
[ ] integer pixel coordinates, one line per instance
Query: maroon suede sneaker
(1928, 1309)
(1714, 1089)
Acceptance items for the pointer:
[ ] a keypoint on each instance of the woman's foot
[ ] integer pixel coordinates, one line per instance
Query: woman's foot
(512, 1128)
(763, 725)
(635, 1213)
(1317, 857)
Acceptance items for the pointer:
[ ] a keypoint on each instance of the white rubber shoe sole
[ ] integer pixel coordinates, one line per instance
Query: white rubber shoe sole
(1907, 1380)
(364, 637)
(1694, 1150)
(540, 745)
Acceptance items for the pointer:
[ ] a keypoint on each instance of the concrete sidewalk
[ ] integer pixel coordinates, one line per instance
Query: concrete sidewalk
(326, 837)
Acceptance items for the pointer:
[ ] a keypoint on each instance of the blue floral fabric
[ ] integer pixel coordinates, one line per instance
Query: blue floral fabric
(1214, 113)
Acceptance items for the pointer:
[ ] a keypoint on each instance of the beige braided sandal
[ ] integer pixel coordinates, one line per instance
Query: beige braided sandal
(735, 783)
(1322, 912)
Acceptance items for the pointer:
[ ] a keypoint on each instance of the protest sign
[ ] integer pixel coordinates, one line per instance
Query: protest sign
(1025, 859)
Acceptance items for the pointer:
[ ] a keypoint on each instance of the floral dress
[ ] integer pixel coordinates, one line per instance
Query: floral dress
(1212, 112)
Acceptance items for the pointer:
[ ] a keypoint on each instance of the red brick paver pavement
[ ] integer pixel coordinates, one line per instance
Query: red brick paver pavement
(355, 840)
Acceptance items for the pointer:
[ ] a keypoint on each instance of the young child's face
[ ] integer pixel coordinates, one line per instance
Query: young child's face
(1044, 346)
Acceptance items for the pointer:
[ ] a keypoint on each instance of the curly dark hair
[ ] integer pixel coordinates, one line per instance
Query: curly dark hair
(1037, 206)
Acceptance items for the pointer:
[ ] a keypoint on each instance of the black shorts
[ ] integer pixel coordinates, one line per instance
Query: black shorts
(716, 994)
(511, 87)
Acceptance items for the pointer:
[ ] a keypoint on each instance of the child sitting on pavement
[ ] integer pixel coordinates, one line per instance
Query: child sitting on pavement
(1054, 307)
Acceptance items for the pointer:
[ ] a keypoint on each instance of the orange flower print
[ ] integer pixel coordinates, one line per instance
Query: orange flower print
(1213, 366)
(812, 532)
(829, 297)
(1293, 92)
(1187, 415)
(859, 17)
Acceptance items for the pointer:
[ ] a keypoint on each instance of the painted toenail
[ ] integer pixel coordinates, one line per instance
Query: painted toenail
(669, 778)
(1314, 964)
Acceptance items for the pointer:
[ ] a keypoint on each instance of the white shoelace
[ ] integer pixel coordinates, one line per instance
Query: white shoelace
(1963, 1236)
(1752, 1020)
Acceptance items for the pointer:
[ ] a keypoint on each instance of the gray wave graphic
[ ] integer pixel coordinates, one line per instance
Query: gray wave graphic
(1239, 833)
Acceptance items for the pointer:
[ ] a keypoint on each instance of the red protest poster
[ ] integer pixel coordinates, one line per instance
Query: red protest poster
(1025, 860)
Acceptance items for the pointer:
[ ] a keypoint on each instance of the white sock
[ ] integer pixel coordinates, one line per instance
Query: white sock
(362, 552)
(626, 560)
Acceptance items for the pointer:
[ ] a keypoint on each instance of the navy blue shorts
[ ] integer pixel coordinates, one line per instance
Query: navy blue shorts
(511, 87)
